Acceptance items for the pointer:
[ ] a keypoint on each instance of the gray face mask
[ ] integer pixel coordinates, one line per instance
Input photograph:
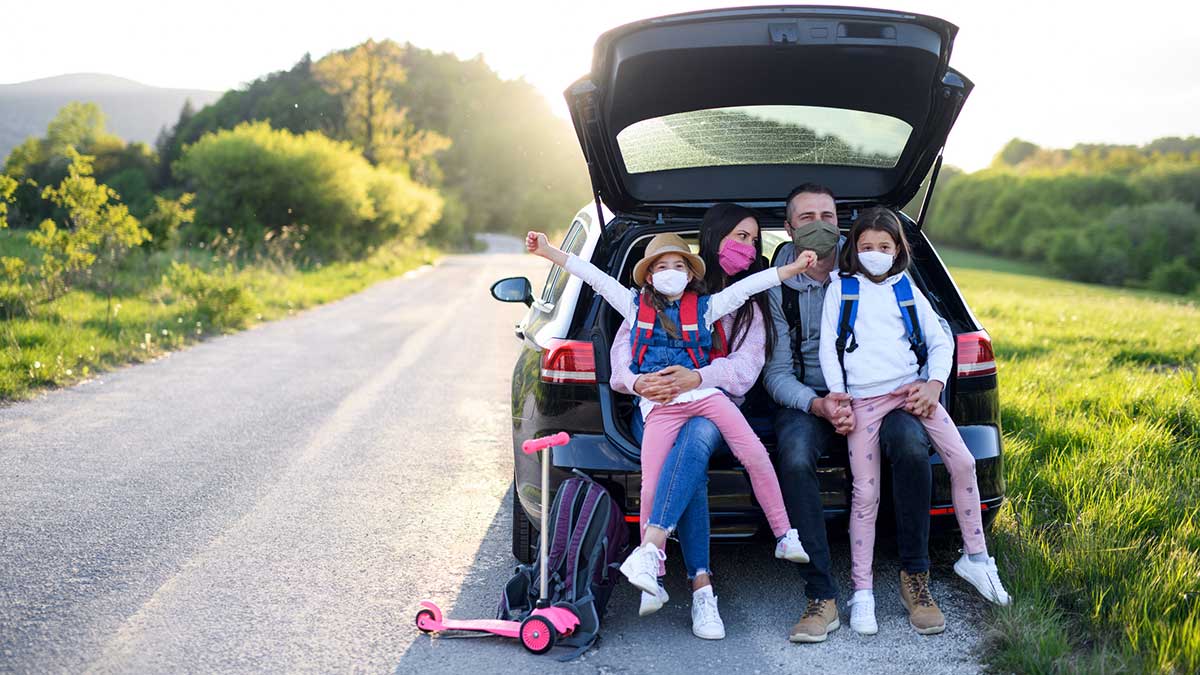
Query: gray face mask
(819, 236)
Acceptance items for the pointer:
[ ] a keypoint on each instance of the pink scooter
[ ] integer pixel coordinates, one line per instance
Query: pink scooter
(542, 628)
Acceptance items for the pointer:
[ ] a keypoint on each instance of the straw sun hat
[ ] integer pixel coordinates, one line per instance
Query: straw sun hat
(666, 243)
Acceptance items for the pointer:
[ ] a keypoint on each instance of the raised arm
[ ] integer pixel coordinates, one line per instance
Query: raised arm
(622, 299)
(735, 295)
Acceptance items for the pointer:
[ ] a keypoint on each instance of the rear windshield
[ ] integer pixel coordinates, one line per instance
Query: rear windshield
(769, 134)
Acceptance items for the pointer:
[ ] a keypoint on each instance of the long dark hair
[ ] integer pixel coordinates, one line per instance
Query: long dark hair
(659, 301)
(881, 219)
(719, 220)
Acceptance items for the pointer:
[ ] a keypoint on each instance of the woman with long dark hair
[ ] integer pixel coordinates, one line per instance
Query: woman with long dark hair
(731, 248)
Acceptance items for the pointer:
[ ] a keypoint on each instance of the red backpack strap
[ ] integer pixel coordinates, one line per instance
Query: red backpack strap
(720, 346)
(643, 329)
(689, 321)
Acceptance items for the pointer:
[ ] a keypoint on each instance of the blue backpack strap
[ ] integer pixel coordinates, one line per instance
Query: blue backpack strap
(689, 325)
(643, 329)
(912, 325)
(846, 317)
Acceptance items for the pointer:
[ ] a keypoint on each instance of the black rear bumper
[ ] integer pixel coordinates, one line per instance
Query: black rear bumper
(734, 512)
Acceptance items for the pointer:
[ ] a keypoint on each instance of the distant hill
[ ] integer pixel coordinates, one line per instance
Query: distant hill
(135, 111)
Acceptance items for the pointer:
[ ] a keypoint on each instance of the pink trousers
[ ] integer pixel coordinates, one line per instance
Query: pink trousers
(663, 425)
(863, 444)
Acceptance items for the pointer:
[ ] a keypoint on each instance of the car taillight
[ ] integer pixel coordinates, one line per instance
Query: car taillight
(975, 357)
(568, 362)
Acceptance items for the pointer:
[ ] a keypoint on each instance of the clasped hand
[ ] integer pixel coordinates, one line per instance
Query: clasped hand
(664, 385)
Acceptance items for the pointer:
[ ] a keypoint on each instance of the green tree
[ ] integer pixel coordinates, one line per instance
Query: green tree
(513, 162)
(1014, 152)
(166, 218)
(366, 78)
(98, 229)
(289, 99)
(8, 186)
(1177, 276)
(253, 180)
(78, 127)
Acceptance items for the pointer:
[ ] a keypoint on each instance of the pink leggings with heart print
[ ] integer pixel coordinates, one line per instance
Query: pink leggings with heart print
(863, 444)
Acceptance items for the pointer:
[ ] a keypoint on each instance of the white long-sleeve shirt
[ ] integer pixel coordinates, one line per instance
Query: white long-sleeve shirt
(883, 360)
(625, 301)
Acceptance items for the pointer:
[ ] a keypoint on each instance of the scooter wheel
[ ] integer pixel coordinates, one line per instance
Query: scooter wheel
(538, 634)
(425, 619)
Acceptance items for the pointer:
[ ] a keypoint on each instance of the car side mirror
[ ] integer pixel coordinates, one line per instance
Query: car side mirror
(513, 289)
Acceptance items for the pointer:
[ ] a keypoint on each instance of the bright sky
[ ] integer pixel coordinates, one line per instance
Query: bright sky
(1054, 73)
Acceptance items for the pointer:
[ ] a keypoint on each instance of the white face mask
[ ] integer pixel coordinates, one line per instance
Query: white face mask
(876, 263)
(669, 282)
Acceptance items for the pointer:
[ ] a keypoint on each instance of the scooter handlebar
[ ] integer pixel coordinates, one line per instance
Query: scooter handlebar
(535, 444)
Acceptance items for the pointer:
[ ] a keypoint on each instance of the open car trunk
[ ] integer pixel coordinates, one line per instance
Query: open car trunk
(744, 104)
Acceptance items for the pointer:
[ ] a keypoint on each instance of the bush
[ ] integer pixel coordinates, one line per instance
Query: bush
(133, 188)
(1176, 276)
(253, 180)
(1088, 227)
(221, 300)
(1164, 182)
(165, 219)
(1154, 234)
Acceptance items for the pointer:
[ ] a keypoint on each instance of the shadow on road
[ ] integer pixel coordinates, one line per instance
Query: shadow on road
(760, 599)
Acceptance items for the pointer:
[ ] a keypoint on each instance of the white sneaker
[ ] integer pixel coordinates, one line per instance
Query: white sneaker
(652, 602)
(641, 567)
(862, 613)
(984, 577)
(790, 548)
(706, 620)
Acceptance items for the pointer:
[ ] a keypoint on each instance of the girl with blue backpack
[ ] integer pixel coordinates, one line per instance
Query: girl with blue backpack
(673, 323)
(872, 347)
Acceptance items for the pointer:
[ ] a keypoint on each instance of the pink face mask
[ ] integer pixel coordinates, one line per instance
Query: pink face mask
(736, 257)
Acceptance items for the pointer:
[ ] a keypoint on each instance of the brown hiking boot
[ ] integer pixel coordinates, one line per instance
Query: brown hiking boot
(818, 620)
(923, 612)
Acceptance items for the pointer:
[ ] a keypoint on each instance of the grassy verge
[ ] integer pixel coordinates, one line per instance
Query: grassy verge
(1100, 543)
(970, 260)
(70, 339)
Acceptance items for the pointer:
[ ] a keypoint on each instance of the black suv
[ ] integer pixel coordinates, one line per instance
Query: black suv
(741, 105)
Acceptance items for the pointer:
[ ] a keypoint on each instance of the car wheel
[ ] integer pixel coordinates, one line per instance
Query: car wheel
(523, 533)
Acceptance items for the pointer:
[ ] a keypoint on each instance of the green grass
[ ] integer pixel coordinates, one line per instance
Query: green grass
(1100, 541)
(68, 340)
(961, 259)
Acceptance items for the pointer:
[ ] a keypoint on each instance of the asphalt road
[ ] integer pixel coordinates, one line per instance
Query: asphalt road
(282, 499)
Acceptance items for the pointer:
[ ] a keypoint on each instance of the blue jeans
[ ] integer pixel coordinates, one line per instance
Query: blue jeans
(681, 498)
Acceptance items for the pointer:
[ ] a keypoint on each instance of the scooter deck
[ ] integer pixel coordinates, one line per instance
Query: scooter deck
(509, 629)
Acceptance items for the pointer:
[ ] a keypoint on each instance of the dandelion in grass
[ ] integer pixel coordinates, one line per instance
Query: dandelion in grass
(37, 365)
(166, 332)
(69, 372)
